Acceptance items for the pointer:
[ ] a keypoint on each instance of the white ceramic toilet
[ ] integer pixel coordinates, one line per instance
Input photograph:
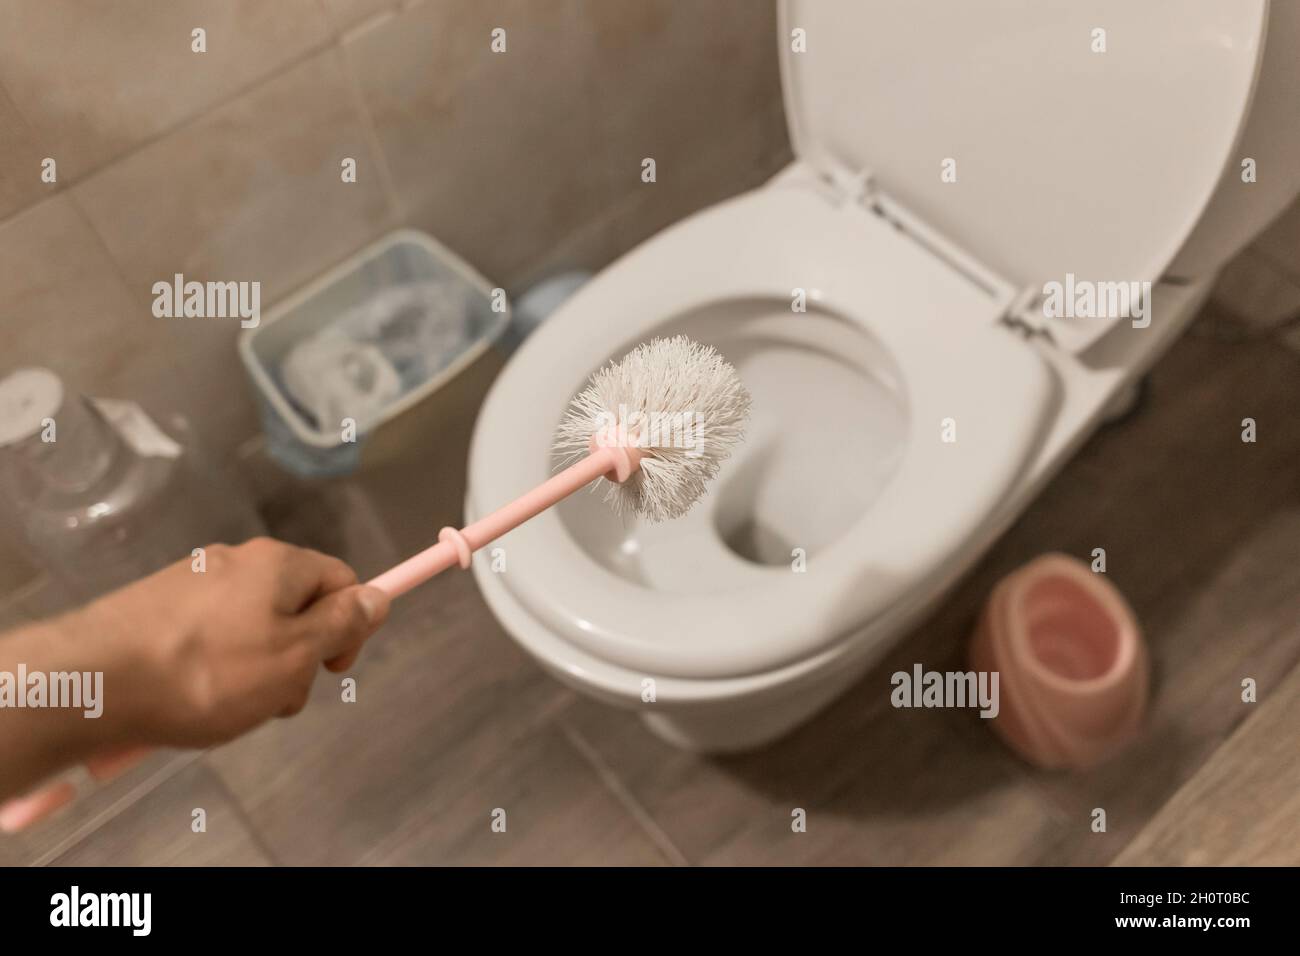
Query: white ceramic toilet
(850, 508)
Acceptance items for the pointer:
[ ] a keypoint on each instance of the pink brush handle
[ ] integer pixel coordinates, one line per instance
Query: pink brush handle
(454, 547)
(618, 463)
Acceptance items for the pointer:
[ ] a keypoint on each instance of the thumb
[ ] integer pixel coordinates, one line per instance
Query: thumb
(339, 623)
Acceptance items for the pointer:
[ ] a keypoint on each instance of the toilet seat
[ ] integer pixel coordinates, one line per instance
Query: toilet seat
(954, 362)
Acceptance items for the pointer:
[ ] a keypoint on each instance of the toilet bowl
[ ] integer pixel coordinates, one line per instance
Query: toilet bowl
(910, 392)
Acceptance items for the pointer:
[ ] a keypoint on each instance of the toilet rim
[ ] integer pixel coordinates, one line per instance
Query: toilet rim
(621, 684)
(733, 251)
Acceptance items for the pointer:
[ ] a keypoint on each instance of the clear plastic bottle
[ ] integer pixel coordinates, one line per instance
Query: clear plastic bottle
(101, 494)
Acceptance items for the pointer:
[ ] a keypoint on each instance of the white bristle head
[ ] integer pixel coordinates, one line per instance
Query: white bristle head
(680, 403)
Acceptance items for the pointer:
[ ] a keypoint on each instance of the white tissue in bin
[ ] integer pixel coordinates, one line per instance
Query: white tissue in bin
(332, 378)
(393, 343)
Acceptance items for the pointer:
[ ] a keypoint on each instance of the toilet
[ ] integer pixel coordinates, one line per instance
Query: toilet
(885, 298)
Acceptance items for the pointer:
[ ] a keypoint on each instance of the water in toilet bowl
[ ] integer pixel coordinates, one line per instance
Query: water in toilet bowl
(827, 429)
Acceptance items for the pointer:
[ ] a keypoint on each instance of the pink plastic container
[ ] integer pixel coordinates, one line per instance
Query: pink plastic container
(1073, 666)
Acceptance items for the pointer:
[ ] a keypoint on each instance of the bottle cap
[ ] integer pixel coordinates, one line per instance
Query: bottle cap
(27, 398)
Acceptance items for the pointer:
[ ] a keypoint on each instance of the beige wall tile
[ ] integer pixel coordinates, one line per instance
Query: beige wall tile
(697, 88)
(496, 154)
(721, 170)
(714, 124)
(63, 305)
(20, 161)
(249, 192)
(525, 162)
(591, 248)
(93, 79)
(346, 14)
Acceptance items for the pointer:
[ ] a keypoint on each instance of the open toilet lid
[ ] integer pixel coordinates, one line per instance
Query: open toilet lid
(1067, 160)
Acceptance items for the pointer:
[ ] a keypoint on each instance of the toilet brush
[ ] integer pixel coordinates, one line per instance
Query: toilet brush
(655, 425)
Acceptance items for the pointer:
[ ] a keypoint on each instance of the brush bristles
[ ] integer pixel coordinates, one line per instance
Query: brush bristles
(678, 401)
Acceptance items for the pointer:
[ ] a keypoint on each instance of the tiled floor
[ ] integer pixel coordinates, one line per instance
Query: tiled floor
(453, 724)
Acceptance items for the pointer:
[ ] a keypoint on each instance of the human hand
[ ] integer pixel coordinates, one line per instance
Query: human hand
(195, 658)
(192, 658)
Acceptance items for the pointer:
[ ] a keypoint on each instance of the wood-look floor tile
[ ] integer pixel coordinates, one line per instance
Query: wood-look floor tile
(158, 830)
(95, 808)
(1201, 535)
(442, 697)
(1237, 625)
(879, 786)
(556, 812)
(1242, 808)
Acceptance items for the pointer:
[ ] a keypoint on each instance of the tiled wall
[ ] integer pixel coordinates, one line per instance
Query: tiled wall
(226, 164)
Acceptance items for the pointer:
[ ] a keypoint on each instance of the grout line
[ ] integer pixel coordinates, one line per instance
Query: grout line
(242, 815)
(386, 181)
(615, 786)
(151, 783)
(553, 709)
(70, 185)
(10, 600)
(167, 376)
(190, 120)
(1017, 772)
(378, 853)
(40, 147)
(117, 267)
(347, 34)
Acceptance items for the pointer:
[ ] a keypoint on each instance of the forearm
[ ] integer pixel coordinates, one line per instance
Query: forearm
(182, 658)
(60, 699)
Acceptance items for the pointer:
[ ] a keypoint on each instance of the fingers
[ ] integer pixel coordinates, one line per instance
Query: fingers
(21, 812)
(344, 662)
(338, 624)
(334, 574)
(108, 765)
(302, 575)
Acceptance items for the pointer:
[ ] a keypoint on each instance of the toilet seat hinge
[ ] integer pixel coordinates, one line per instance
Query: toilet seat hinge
(1024, 313)
(853, 186)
